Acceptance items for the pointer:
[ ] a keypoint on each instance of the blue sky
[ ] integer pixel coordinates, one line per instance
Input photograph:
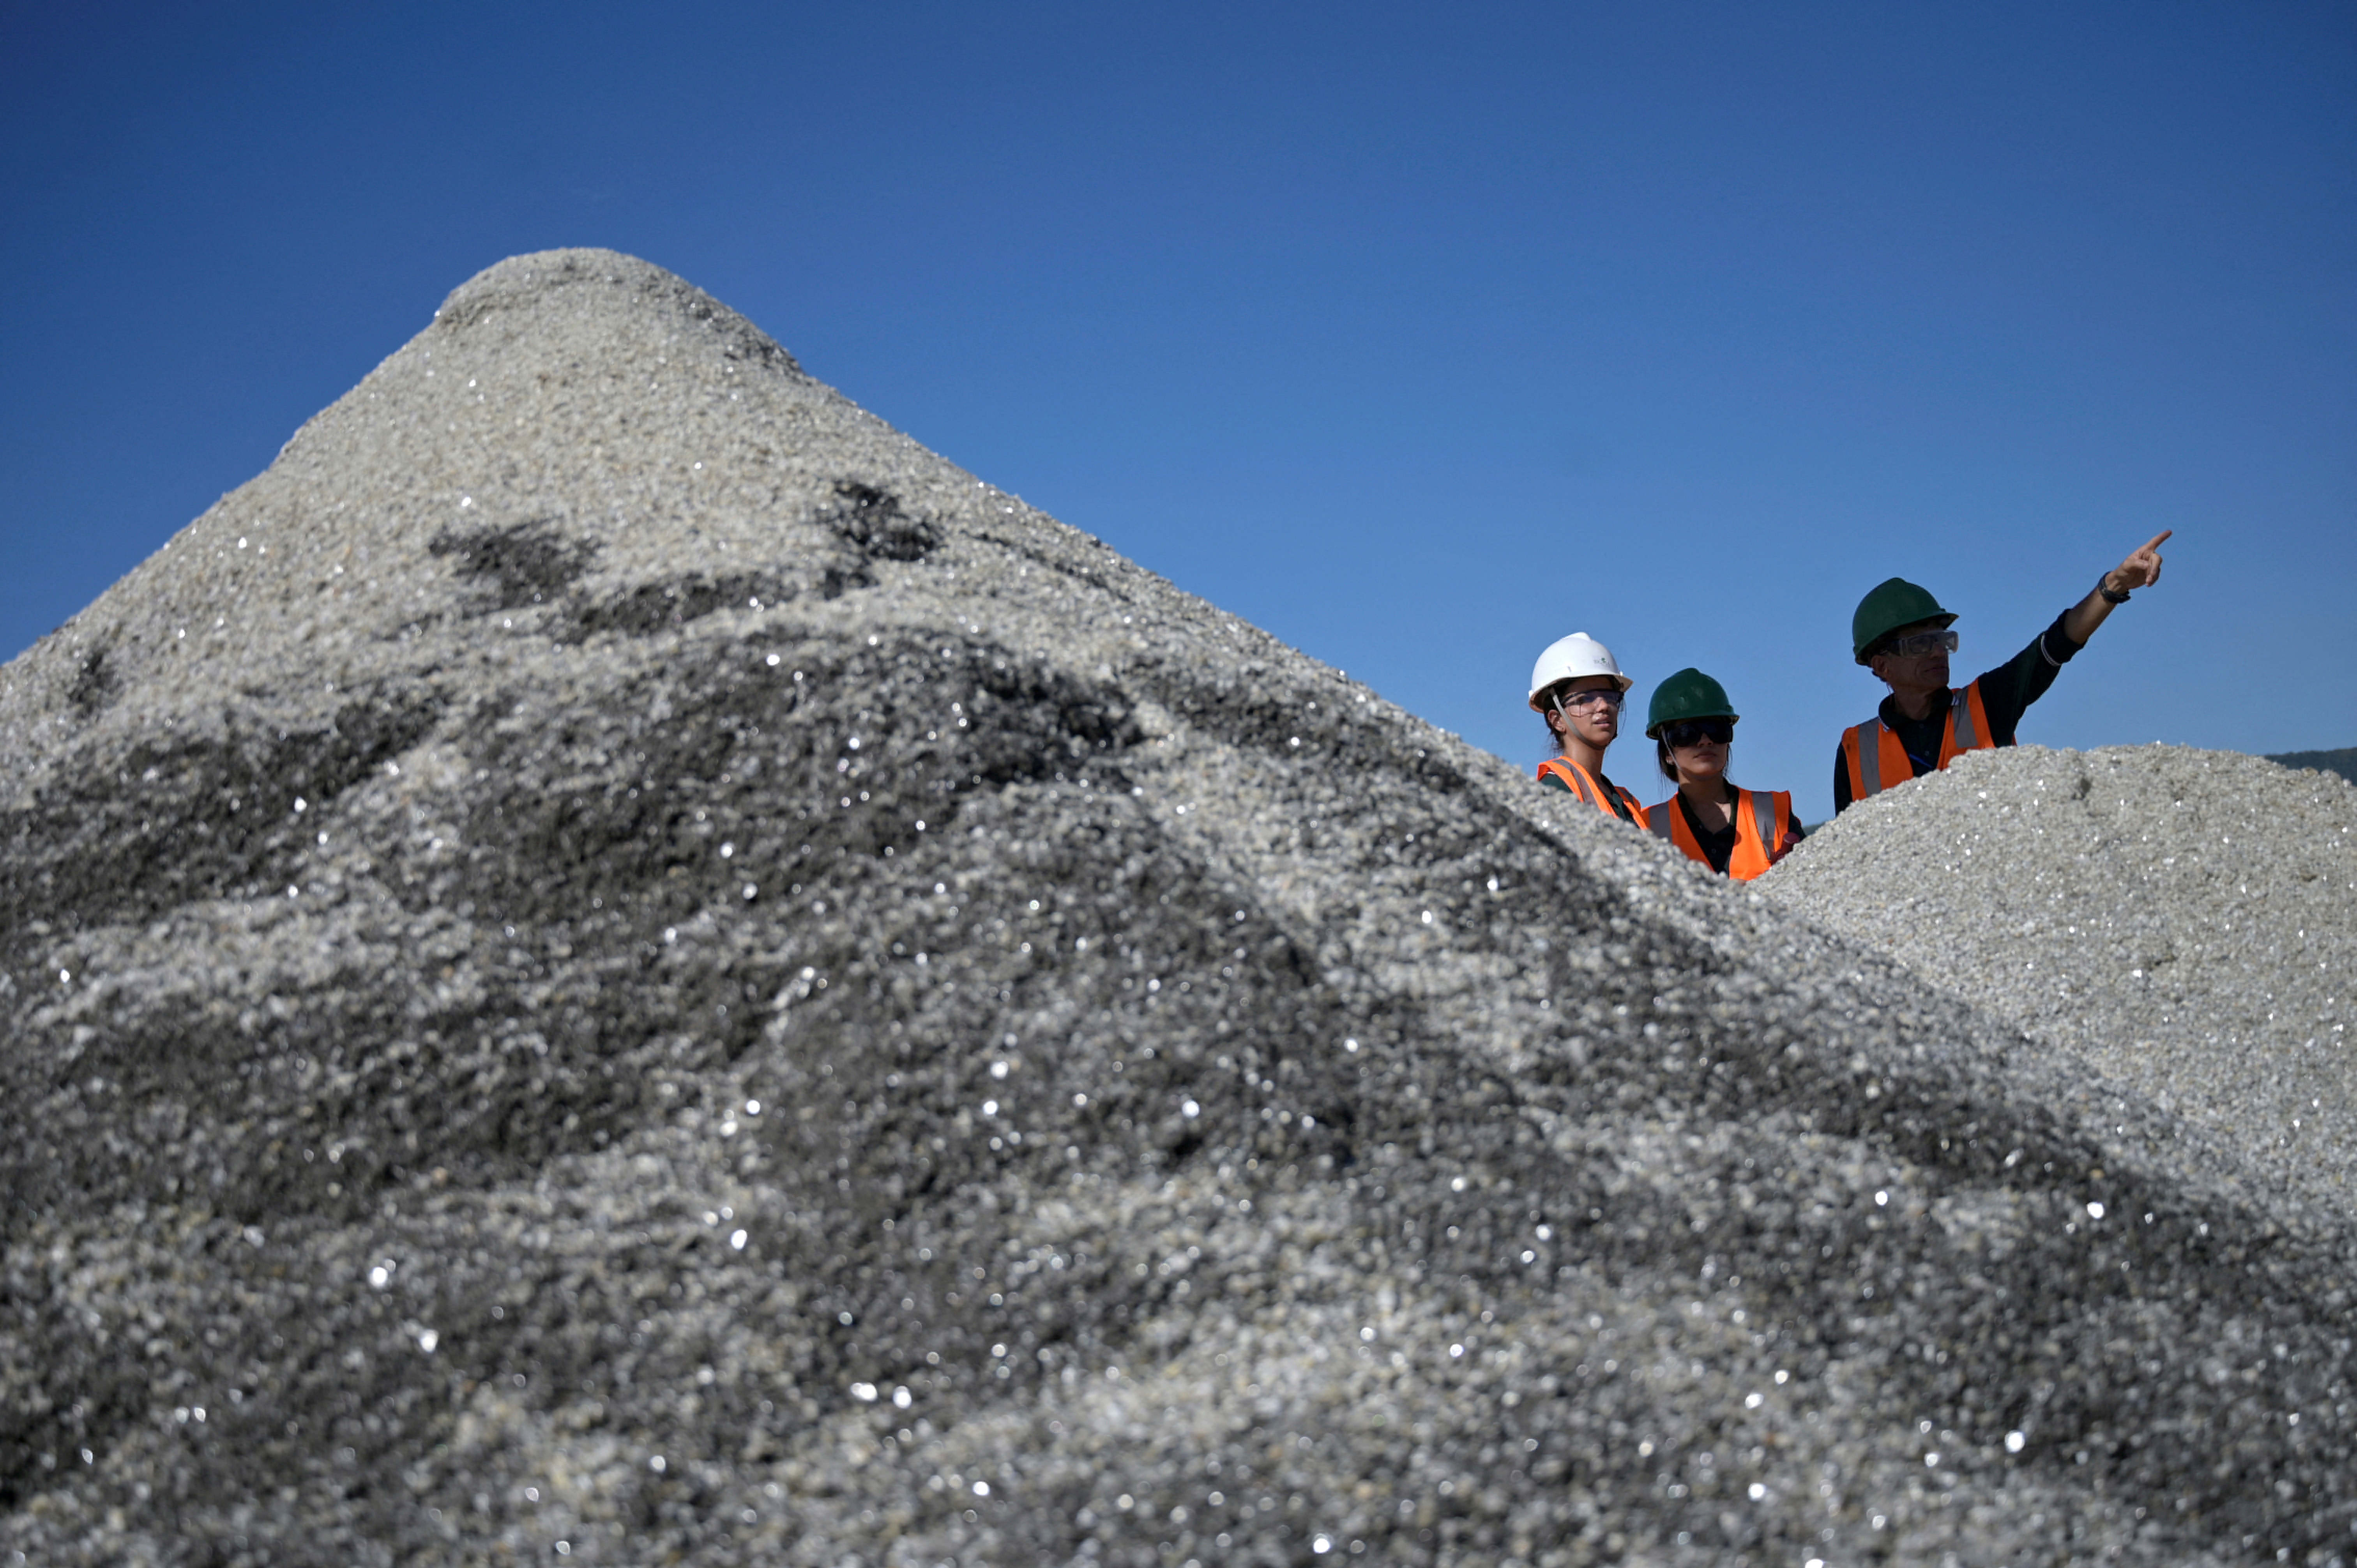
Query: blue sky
(1418, 336)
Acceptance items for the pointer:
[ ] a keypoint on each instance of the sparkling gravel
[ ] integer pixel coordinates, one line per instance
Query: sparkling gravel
(2186, 921)
(613, 963)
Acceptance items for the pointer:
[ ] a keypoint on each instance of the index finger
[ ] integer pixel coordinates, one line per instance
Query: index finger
(2155, 543)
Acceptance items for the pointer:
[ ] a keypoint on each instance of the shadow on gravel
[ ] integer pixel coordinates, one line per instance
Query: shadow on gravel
(127, 837)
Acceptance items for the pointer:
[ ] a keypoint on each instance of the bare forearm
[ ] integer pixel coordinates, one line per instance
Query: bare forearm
(2089, 613)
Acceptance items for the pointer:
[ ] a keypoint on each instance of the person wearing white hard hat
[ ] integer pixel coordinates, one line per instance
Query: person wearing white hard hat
(1578, 689)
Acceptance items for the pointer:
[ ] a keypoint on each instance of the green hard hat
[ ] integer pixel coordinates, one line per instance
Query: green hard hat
(1688, 694)
(1890, 606)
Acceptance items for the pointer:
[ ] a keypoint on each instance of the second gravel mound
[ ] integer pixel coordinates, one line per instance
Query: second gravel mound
(2186, 920)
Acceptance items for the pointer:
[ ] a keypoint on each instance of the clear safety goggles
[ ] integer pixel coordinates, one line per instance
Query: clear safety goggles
(1921, 644)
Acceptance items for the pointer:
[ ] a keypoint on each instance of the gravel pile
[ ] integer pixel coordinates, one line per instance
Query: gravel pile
(2184, 920)
(612, 962)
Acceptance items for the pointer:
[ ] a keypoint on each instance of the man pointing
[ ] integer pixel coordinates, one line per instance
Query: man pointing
(1902, 634)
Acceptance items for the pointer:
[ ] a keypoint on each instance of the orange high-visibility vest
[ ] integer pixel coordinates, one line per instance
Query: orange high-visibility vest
(1614, 802)
(1878, 762)
(1763, 831)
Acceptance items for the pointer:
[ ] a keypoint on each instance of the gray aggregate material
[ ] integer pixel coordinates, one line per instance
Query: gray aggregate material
(2184, 920)
(495, 1070)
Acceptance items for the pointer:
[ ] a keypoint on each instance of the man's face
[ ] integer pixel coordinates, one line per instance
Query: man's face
(1591, 709)
(1914, 672)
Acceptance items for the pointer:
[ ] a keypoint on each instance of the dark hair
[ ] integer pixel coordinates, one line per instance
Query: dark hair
(1544, 704)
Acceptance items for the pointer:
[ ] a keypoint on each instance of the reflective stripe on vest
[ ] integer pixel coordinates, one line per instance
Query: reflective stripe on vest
(1762, 830)
(1614, 802)
(1967, 725)
(1877, 760)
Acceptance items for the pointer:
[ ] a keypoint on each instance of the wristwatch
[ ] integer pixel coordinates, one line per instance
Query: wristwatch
(2104, 587)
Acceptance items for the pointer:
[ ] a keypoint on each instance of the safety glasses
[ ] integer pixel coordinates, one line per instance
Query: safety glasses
(1921, 643)
(1693, 732)
(1589, 699)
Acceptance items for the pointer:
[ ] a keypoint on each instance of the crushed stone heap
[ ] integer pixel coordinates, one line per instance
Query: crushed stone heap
(2184, 920)
(613, 961)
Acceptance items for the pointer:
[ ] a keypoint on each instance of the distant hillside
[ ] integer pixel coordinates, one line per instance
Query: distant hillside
(2343, 762)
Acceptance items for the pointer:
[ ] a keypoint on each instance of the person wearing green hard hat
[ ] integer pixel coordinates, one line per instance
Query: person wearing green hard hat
(1901, 633)
(1736, 832)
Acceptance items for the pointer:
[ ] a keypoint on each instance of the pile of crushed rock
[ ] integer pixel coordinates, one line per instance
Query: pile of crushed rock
(613, 963)
(2184, 920)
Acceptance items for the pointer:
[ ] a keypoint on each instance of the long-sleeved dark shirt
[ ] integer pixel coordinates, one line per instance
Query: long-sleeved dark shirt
(2007, 692)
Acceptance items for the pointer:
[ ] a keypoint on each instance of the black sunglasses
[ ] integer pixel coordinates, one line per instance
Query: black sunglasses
(1687, 732)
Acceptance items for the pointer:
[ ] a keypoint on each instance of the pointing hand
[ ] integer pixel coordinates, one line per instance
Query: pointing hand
(2141, 569)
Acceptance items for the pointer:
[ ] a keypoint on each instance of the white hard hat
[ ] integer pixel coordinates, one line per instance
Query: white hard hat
(1570, 658)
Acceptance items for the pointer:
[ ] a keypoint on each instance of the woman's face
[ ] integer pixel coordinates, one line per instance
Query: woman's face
(1591, 710)
(1698, 749)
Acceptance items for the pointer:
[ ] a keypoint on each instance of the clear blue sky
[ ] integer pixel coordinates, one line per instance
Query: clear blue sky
(1419, 336)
